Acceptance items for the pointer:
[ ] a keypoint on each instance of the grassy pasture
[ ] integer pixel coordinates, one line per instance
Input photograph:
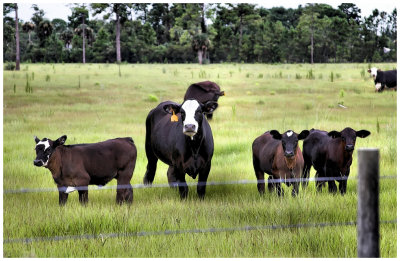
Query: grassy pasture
(95, 102)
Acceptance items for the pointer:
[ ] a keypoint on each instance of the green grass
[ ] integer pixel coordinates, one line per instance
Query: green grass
(95, 102)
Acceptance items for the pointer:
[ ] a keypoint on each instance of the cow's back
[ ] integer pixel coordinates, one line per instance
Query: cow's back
(100, 160)
(203, 92)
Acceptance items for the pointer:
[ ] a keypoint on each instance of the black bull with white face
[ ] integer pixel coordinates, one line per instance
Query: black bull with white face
(180, 136)
(81, 165)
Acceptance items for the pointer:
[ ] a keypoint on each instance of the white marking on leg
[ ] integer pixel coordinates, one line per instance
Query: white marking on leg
(378, 86)
(70, 189)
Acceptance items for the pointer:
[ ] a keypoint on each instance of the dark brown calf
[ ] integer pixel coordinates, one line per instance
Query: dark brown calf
(82, 165)
(279, 156)
(331, 155)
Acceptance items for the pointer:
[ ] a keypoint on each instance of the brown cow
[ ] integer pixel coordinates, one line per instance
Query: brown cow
(204, 92)
(279, 156)
(81, 165)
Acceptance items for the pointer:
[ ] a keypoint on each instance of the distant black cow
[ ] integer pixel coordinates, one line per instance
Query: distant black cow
(279, 156)
(204, 92)
(384, 79)
(186, 144)
(81, 165)
(331, 155)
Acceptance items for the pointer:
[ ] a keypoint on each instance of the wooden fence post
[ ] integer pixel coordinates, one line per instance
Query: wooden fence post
(368, 203)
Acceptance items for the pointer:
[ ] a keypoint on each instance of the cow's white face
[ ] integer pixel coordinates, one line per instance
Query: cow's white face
(191, 113)
(373, 71)
(43, 152)
(44, 148)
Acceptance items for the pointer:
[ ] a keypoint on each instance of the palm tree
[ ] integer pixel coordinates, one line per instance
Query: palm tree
(200, 44)
(28, 27)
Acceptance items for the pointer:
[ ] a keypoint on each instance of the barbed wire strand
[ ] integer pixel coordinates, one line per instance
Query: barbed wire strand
(187, 231)
(176, 184)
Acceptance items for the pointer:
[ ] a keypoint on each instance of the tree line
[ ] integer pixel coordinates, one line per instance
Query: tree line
(203, 33)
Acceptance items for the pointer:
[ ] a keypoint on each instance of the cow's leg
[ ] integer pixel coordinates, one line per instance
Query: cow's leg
(171, 177)
(295, 190)
(124, 188)
(271, 185)
(183, 188)
(279, 189)
(319, 184)
(343, 186)
(83, 195)
(151, 164)
(332, 186)
(260, 181)
(62, 196)
(203, 176)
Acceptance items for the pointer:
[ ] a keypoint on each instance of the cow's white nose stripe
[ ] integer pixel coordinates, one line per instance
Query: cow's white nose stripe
(190, 108)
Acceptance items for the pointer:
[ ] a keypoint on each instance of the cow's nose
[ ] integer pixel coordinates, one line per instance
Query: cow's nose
(349, 147)
(37, 163)
(289, 153)
(190, 127)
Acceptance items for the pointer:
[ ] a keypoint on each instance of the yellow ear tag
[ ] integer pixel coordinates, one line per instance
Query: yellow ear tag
(174, 117)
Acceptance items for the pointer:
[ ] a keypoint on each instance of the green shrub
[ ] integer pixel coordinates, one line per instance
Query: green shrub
(152, 98)
(9, 67)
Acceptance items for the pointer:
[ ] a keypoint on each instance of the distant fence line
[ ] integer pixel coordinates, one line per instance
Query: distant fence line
(104, 237)
(163, 185)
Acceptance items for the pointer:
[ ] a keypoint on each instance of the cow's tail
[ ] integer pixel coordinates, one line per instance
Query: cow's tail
(306, 170)
(151, 158)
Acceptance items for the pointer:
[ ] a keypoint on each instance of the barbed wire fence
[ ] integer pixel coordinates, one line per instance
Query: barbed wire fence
(105, 236)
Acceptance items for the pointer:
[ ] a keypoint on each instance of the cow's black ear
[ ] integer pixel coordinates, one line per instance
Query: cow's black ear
(60, 141)
(369, 70)
(276, 135)
(334, 134)
(379, 70)
(363, 133)
(303, 134)
(169, 108)
(36, 139)
(222, 93)
(209, 107)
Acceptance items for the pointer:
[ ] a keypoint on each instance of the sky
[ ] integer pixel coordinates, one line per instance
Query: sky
(62, 9)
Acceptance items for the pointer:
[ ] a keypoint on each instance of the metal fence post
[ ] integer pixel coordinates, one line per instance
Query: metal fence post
(368, 203)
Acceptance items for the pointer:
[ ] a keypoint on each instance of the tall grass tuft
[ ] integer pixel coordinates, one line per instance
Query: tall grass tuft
(202, 74)
(298, 76)
(377, 126)
(47, 78)
(15, 88)
(310, 75)
(119, 70)
(79, 81)
(331, 77)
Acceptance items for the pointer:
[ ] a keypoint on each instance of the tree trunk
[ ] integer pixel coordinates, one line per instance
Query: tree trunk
(83, 40)
(241, 33)
(312, 36)
(17, 59)
(200, 56)
(117, 38)
(29, 37)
